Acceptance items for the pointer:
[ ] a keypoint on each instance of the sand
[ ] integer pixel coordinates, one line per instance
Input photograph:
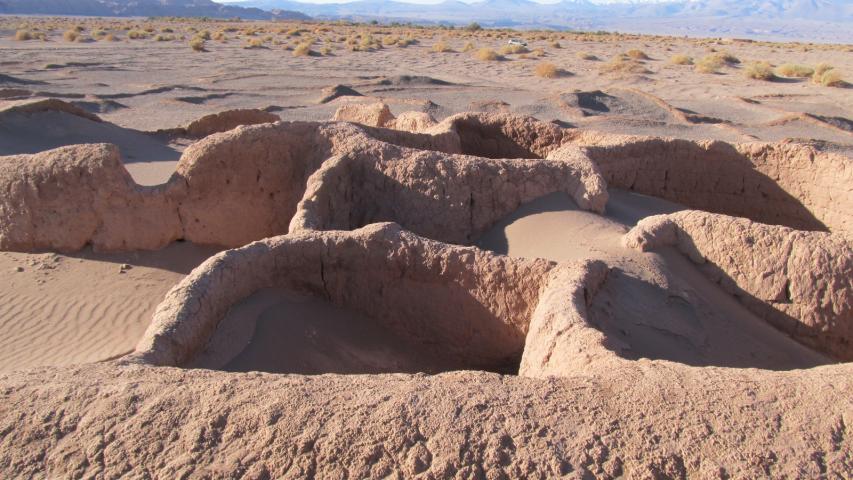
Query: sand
(283, 332)
(86, 307)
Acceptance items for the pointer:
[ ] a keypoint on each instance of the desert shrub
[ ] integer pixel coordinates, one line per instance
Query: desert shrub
(163, 38)
(167, 30)
(110, 37)
(302, 50)
(556, 44)
(23, 35)
(681, 60)
(390, 40)
(623, 64)
(759, 71)
(832, 78)
(205, 34)
(468, 47)
(586, 56)
(326, 51)
(548, 70)
(709, 64)
(538, 52)
(819, 70)
(724, 58)
(794, 71)
(254, 43)
(473, 27)
(197, 44)
(637, 54)
(487, 54)
(513, 49)
(136, 34)
(441, 47)
(70, 35)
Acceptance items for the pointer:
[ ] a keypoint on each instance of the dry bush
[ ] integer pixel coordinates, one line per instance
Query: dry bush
(254, 43)
(405, 42)
(819, 70)
(794, 71)
(70, 35)
(513, 49)
(197, 44)
(23, 35)
(681, 60)
(709, 64)
(725, 58)
(832, 78)
(326, 51)
(204, 35)
(760, 71)
(548, 70)
(442, 47)
(538, 52)
(302, 50)
(110, 37)
(487, 54)
(556, 44)
(586, 56)
(637, 54)
(163, 38)
(624, 64)
(136, 34)
(468, 47)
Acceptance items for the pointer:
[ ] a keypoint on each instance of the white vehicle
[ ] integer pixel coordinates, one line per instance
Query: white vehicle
(514, 41)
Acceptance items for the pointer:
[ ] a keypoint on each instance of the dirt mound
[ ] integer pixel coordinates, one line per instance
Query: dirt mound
(798, 281)
(330, 93)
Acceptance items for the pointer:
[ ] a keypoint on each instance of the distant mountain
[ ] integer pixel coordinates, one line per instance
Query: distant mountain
(522, 11)
(143, 8)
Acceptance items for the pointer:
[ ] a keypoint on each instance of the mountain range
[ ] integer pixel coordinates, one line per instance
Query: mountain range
(144, 8)
(524, 11)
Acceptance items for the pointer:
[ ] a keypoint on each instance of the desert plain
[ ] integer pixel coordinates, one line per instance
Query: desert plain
(333, 250)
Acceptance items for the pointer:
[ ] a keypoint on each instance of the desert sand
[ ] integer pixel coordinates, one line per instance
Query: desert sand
(390, 259)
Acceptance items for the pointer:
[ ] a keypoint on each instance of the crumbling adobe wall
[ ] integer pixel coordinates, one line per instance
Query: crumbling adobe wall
(781, 184)
(452, 198)
(801, 282)
(503, 135)
(464, 302)
(228, 120)
(65, 198)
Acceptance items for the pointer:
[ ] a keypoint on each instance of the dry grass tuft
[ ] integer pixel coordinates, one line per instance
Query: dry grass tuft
(794, 71)
(197, 44)
(760, 71)
(623, 64)
(302, 50)
(637, 54)
(23, 35)
(513, 49)
(71, 35)
(709, 64)
(468, 47)
(548, 70)
(254, 43)
(487, 54)
(832, 78)
(442, 47)
(681, 60)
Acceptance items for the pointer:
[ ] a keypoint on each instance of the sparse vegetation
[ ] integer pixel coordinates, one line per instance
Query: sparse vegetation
(487, 54)
(254, 43)
(760, 71)
(23, 35)
(637, 54)
(197, 44)
(586, 56)
(468, 47)
(709, 64)
(302, 50)
(548, 70)
(441, 47)
(794, 71)
(71, 35)
(513, 49)
(624, 64)
(832, 78)
(681, 60)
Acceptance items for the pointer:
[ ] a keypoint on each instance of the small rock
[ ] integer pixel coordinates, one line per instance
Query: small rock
(19, 269)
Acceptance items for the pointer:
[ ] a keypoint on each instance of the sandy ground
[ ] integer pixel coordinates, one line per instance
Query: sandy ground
(64, 309)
